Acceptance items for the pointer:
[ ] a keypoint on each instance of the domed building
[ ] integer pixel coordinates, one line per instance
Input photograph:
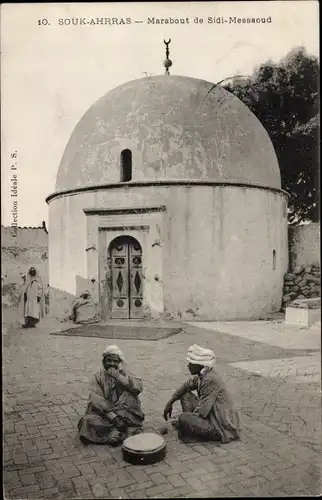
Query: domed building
(168, 205)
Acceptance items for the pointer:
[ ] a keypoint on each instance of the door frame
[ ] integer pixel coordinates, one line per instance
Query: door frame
(147, 224)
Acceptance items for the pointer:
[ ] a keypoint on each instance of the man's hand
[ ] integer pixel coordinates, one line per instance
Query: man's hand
(167, 411)
(113, 372)
(119, 423)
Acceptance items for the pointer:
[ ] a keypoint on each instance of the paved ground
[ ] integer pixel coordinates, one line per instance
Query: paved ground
(272, 370)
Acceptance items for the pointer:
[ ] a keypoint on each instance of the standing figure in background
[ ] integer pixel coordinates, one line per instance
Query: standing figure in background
(32, 300)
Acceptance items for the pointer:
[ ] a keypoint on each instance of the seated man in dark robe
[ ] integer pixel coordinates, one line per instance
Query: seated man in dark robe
(114, 409)
(211, 416)
(84, 310)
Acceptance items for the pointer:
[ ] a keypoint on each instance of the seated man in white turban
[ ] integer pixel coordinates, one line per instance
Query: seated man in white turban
(114, 409)
(211, 416)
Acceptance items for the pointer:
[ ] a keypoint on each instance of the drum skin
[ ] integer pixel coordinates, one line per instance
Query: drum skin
(144, 449)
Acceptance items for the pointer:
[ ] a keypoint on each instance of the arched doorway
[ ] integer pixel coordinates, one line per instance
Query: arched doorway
(126, 284)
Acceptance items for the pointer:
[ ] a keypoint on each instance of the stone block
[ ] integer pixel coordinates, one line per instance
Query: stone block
(302, 316)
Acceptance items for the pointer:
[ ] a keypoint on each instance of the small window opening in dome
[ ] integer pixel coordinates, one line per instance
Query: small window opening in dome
(274, 260)
(126, 165)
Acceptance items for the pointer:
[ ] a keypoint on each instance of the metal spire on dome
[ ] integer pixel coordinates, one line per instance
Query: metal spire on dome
(167, 63)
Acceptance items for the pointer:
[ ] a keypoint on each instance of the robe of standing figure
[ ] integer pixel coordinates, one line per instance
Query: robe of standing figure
(32, 301)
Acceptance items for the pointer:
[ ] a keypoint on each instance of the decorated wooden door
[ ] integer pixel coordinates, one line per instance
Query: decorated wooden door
(127, 286)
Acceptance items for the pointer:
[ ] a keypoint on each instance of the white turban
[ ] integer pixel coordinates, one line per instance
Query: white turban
(199, 356)
(113, 349)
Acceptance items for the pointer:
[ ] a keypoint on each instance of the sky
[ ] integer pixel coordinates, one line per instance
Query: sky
(51, 73)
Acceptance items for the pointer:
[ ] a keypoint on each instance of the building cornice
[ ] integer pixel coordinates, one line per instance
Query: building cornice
(168, 182)
(124, 210)
(22, 227)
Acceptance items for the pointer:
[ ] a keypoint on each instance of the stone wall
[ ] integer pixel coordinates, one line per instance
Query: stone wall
(29, 247)
(27, 237)
(302, 283)
(304, 241)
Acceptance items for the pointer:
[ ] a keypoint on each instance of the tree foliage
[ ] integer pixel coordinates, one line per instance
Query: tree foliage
(285, 98)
